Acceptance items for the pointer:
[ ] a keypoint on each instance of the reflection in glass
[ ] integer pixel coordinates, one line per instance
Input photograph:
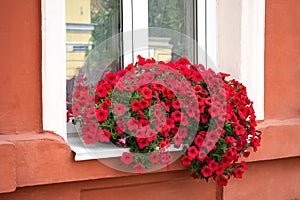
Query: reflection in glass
(179, 17)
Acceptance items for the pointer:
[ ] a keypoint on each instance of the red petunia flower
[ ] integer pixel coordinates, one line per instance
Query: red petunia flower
(107, 101)
(163, 145)
(238, 173)
(166, 158)
(170, 94)
(142, 142)
(209, 144)
(138, 168)
(140, 115)
(183, 61)
(176, 116)
(146, 93)
(198, 141)
(76, 109)
(129, 67)
(92, 125)
(154, 157)
(190, 112)
(239, 129)
(101, 91)
(213, 165)
(202, 154)
(132, 124)
(135, 105)
(186, 72)
(151, 135)
(184, 121)
(177, 141)
(192, 152)
(158, 86)
(212, 135)
(143, 123)
(182, 132)
(89, 138)
(120, 73)
(246, 154)
(255, 142)
(110, 77)
(244, 166)
(186, 161)
(197, 89)
(230, 140)
(103, 135)
(121, 128)
(222, 181)
(176, 104)
(170, 123)
(126, 158)
(196, 76)
(101, 114)
(144, 103)
(119, 109)
(90, 113)
(206, 171)
(220, 170)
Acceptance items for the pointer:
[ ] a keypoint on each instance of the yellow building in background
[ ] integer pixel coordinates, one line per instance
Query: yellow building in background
(78, 34)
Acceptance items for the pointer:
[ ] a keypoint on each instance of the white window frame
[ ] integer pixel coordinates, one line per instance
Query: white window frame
(251, 67)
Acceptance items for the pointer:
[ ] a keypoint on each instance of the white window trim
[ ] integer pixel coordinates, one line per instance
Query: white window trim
(54, 66)
(54, 56)
(135, 17)
(207, 19)
(241, 45)
(252, 52)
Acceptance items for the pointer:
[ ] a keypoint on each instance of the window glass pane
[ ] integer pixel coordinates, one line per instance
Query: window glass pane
(177, 18)
(89, 23)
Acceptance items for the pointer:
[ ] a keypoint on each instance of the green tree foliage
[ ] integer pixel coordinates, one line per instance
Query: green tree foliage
(105, 14)
(167, 14)
(173, 15)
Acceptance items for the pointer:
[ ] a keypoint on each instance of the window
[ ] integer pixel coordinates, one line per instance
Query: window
(209, 22)
(90, 23)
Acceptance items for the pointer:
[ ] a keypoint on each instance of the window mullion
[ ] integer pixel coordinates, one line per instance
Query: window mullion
(140, 28)
(127, 39)
(201, 33)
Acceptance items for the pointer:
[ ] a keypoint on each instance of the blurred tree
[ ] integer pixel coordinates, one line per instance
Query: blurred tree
(105, 14)
(174, 15)
(167, 14)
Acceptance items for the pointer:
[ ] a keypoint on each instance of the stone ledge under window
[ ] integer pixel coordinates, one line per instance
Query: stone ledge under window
(45, 158)
(8, 168)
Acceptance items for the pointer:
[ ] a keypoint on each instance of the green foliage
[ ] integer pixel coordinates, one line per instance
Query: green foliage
(105, 14)
(168, 14)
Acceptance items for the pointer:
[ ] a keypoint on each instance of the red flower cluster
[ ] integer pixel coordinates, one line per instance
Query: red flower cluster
(216, 150)
(151, 106)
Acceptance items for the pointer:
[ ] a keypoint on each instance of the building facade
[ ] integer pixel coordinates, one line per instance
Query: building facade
(37, 164)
